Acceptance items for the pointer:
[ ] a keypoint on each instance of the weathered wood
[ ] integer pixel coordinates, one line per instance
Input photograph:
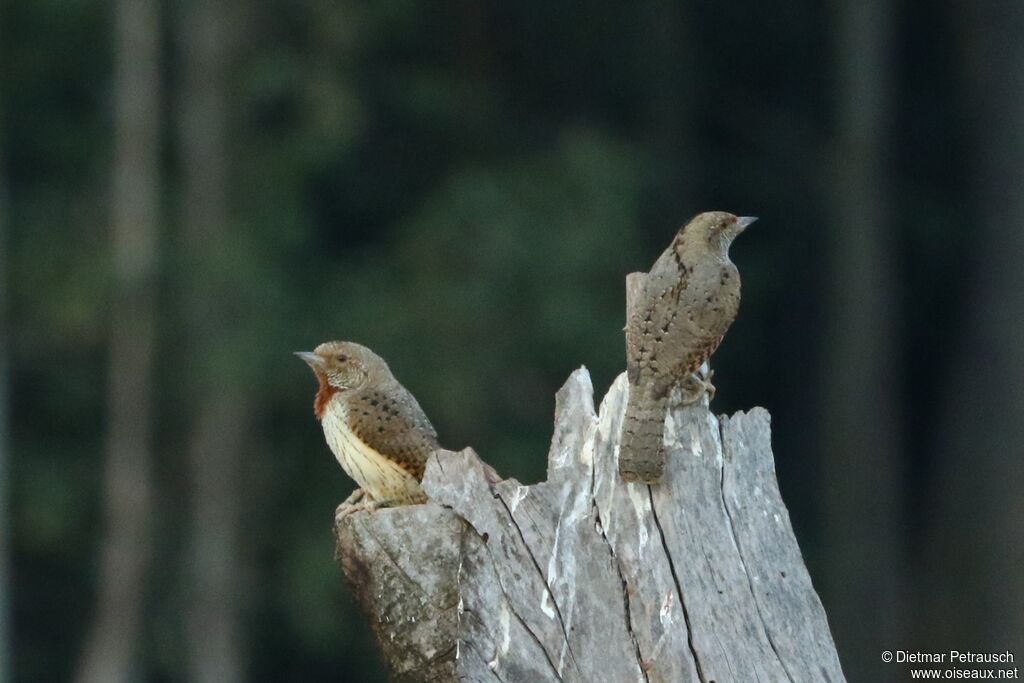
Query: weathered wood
(584, 577)
(634, 288)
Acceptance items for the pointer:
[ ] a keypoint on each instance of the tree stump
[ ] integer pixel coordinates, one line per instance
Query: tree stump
(586, 578)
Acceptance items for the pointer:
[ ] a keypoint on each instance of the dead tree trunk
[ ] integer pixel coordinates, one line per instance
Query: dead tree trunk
(586, 578)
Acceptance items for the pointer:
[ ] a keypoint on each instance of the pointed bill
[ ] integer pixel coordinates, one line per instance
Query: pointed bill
(314, 361)
(743, 221)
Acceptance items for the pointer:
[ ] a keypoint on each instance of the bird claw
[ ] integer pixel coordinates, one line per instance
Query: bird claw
(695, 386)
(361, 503)
(354, 503)
(354, 498)
(709, 388)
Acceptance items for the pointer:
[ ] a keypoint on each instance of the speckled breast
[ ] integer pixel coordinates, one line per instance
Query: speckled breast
(374, 472)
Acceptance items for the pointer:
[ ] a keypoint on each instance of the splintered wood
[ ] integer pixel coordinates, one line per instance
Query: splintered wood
(584, 577)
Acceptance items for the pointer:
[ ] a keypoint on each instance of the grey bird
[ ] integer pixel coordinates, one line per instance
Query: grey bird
(689, 300)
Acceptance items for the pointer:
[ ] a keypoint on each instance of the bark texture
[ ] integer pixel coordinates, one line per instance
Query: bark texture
(586, 578)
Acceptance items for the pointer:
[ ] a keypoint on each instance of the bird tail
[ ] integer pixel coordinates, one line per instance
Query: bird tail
(641, 449)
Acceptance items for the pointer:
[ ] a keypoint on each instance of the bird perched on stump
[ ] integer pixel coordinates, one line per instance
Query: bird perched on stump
(373, 425)
(689, 300)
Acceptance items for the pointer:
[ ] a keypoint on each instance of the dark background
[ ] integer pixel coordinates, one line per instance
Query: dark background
(190, 191)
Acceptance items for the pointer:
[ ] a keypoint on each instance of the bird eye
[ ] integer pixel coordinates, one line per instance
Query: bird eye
(342, 358)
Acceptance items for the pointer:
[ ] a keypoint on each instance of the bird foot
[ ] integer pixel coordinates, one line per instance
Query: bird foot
(354, 503)
(344, 511)
(695, 386)
(360, 501)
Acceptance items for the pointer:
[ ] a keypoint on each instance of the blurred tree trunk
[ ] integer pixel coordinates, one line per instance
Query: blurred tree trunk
(110, 647)
(862, 491)
(219, 410)
(6, 666)
(975, 548)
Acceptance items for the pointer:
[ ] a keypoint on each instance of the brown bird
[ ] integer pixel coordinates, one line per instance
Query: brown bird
(689, 300)
(373, 425)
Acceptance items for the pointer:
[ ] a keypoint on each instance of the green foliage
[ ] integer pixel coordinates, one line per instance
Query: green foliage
(493, 257)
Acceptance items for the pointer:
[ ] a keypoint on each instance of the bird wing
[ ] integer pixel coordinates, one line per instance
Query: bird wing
(392, 423)
(653, 317)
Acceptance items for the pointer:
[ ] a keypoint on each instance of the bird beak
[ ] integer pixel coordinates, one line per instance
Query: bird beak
(314, 361)
(743, 221)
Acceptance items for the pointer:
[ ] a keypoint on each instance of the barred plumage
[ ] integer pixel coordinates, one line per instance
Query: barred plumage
(689, 300)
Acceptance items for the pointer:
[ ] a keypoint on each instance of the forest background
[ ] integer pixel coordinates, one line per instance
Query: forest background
(190, 191)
